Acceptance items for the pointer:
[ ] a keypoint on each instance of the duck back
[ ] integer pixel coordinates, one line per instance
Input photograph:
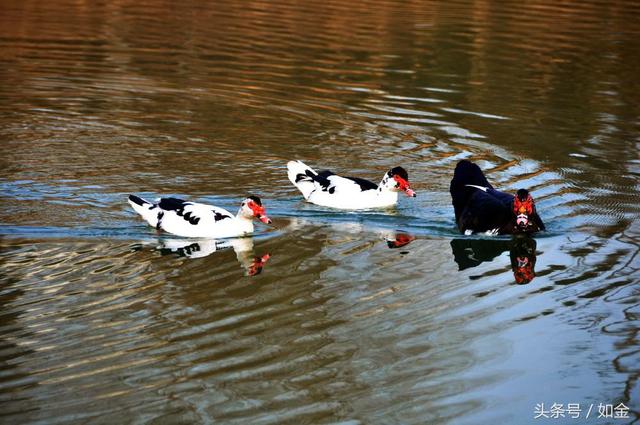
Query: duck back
(466, 173)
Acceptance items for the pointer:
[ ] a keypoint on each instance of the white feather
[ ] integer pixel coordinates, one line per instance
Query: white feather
(482, 188)
(147, 210)
(306, 185)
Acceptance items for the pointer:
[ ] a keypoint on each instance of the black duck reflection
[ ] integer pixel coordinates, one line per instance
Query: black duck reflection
(199, 248)
(469, 253)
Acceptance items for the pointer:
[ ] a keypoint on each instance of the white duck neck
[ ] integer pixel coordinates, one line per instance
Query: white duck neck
(241, 216)
(382, 186)
(245, 224)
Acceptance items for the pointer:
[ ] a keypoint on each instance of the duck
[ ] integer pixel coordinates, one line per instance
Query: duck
(194, 220)
(348, 193)
(479, 208)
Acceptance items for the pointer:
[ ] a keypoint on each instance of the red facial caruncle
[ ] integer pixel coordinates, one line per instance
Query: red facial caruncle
(259, 212)
(522, 210)
(403, 185)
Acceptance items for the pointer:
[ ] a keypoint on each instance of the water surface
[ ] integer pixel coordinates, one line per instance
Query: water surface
(374, 317)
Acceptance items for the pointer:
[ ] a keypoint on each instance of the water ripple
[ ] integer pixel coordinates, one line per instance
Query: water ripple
(356, 318)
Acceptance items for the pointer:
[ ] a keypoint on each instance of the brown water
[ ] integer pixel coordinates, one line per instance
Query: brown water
(103, 321)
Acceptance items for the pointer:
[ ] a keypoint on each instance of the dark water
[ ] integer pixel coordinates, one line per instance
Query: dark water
(104, 321)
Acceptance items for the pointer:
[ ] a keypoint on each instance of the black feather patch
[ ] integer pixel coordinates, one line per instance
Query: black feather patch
(255, 199)
(178, 205)
(400, 172)
(466, 173)
(160, 215)
(218, 216)
(302, 177)
(172, 204)
(137, 200)
(363, 183)
(324, 173)
(190, 218)
(322, 179)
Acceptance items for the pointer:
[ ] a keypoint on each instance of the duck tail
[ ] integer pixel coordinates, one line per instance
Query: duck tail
(146, 209)
(466, 173)
(302, 176)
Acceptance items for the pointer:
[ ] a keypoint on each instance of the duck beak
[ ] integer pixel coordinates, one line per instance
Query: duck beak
(522, 220)
(263, 218)
(410, 192)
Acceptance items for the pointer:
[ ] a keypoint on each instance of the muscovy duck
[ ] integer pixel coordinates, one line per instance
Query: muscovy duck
(194, 220)
(480, 208)
(350, 193)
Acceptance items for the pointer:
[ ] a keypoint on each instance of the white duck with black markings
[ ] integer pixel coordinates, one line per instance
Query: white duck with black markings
(350, 193)
(195, 220)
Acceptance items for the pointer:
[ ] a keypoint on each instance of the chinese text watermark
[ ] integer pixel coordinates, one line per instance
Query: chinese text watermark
(578, 411)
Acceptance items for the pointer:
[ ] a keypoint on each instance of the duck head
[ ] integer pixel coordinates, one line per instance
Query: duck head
(252, 208)
(397, 180)
(523, 210)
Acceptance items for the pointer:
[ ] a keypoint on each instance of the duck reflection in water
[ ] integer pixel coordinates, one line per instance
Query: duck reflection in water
(469, 253)
(398, 239)
(190, 248)
(393, 238)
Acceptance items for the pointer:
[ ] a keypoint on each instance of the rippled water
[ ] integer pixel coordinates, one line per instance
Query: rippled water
(326, 317)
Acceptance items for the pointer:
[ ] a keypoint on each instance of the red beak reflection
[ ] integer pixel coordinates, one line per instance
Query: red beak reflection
(258, 264)
(400, 240)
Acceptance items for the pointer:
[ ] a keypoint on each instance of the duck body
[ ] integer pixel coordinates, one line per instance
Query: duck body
(327, 189)
(486, 210)
(479, 208)
(195, 220)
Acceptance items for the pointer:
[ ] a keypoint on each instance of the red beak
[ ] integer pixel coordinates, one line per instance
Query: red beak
(265, 219)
